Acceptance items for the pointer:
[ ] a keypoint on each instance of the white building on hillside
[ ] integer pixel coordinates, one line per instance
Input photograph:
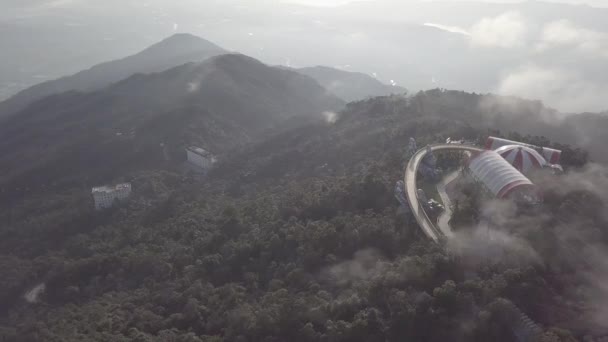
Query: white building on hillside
(105, 196)
(500, 179)
(200, 157)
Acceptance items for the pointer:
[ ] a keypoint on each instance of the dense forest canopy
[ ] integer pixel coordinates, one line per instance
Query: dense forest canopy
(296, 236)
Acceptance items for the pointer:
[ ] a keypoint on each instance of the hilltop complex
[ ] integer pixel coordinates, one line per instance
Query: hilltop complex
(505, 169)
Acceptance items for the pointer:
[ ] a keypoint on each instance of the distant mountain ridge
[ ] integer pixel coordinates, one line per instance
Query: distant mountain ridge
(222, 102)
(349, 86)
(173, 51)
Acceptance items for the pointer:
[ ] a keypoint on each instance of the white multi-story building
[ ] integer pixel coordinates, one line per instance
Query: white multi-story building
(105, 196)
(200, 157)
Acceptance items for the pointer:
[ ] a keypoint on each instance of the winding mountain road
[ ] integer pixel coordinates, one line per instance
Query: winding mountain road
(443, 221)
(411, 174)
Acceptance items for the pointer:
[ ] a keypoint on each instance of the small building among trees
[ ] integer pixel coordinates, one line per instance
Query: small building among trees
(200, 158)
(105, 196)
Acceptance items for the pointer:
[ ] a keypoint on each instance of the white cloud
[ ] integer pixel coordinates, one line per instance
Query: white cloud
(59, 3)
(365, 265)
(562, 89)
(322, 3)
(564, 34)
(507, 30)
(494, 242)
(452, 29)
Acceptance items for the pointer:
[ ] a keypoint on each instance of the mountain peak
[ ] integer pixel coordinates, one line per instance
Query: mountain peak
(173, 51)
(181, 38)
(183, 41)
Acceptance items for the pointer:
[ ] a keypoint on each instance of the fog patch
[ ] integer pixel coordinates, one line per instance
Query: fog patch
(365, 265)
(567, 237)
(598, 290)
(584, 247)
(592, 178)
(335, 85)
(564, 34)
(330, 117)
(507, 30)
(559, 88)
(514, 105)
(581, 249)
(53, 4)
(193, 87)
(33, 295)
(490, 242)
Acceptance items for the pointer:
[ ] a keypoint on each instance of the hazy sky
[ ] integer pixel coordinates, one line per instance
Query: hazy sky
(554, 53)
(62, 3)
(340, 2)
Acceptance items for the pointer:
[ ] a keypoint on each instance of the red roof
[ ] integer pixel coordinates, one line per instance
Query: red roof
(552, 156)
(523, 158)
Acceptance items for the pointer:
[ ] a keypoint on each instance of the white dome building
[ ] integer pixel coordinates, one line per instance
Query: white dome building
(523, 158)
(501, 179)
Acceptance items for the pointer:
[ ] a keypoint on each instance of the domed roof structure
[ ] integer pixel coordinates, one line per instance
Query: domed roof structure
(501, 179)
(523, 158)
(551, 155)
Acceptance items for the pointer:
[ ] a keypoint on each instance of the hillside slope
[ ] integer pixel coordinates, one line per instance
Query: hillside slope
(173, 51)
(220, 103)
(294, 237)
(349, 86)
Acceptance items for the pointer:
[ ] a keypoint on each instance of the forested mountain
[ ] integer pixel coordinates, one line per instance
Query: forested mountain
(295, 232)
(218, 104)
(298, 237)
(350, 86)
(171, 52)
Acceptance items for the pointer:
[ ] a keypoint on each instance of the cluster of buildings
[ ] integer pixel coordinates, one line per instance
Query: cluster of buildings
(503, 169)
(106, 196)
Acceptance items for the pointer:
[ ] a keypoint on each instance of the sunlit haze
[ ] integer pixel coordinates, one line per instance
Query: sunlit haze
(303, 170)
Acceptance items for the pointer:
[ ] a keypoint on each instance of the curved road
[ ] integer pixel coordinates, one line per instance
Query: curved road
(443, 221)
(411, 174)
